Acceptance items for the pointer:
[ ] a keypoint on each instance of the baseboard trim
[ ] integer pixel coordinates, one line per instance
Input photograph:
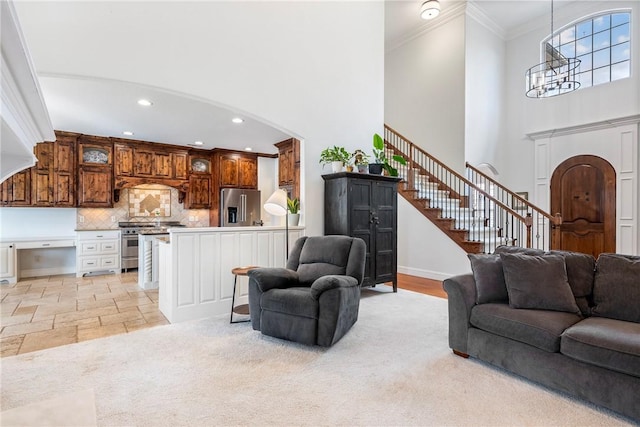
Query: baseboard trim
(52, 271)
(427, 274)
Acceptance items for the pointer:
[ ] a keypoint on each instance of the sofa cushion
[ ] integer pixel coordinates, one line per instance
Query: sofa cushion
(608, 343)
(296, 301)
(616, 291)
(538, 282)
(489, 278)
(580, 273)
(505, 249)
(538, 328)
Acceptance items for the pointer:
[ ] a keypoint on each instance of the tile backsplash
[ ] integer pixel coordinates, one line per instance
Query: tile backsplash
(104, 218)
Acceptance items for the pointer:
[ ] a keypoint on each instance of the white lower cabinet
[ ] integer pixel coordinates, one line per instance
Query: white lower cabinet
(98, 252)
(8, 262)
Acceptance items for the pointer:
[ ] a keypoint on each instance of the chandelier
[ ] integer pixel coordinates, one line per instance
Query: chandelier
(555, 76)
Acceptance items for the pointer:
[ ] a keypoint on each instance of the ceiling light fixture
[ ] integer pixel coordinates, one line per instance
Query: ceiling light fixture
(237, 120)
(145, 102)
(128, 133)
(556, 75)
(198, 143)
(248, 149)
(430, 9)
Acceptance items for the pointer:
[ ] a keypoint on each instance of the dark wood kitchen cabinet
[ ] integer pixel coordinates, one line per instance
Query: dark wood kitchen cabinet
(50, 182)
(95, 172)
(64, 171)
(199, 194)
(365, 206)
(289, 166)
(42, 175)
(16, 190)
(124, 160)
(53, 181)
(180, 169)
(94, 187)
(238, 171)
(143, 162)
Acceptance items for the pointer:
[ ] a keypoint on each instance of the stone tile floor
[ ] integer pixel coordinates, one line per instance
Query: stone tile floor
(43, 312)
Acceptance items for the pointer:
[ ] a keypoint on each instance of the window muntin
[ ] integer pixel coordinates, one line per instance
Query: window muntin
(601, 43)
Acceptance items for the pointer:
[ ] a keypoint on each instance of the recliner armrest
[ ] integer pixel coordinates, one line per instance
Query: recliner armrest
(270, 278)
(328, 282)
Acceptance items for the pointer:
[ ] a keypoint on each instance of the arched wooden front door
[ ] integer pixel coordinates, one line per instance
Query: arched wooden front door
(583, 191)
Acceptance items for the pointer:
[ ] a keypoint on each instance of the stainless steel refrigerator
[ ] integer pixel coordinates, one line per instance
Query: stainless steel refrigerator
(239, 208)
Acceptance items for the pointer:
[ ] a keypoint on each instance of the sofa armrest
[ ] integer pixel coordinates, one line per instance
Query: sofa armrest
(328, 282)
(461, 297)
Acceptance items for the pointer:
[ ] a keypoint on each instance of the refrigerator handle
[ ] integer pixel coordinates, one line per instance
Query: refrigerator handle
(243, 204)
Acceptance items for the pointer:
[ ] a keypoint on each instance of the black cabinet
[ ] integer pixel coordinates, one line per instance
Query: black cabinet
(365, 206)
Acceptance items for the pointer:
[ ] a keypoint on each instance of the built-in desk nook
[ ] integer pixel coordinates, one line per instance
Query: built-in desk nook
(11, 268)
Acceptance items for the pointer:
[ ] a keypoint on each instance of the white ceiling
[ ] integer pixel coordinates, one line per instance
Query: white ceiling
(109, 107)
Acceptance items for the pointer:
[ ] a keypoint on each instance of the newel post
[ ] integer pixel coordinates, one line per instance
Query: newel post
(556, 232)
(528, 222)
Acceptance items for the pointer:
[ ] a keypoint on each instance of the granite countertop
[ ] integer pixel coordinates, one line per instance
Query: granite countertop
(154, 231)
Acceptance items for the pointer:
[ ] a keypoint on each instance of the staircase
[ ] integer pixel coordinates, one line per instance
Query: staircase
(476, 212)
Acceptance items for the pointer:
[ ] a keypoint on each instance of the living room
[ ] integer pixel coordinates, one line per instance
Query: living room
(341, 84)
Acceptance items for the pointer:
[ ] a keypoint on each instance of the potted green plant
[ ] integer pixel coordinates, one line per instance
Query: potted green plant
(335, 155)
(382, 162)
(293, 206)
(361, 161)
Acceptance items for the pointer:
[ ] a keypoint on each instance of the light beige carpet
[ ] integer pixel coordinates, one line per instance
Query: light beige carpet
(393, 368)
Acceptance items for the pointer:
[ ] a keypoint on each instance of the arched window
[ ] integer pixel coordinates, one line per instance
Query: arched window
(601, 43)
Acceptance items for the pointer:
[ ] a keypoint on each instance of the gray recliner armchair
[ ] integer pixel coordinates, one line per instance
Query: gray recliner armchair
(315, 300)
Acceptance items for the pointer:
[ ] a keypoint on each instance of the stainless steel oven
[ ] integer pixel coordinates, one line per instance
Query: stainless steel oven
(129, 238)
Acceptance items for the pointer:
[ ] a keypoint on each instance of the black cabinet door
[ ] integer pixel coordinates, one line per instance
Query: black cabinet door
(384, 219)
(362, 223)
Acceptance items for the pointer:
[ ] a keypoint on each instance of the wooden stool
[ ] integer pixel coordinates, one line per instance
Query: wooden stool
(242, 308)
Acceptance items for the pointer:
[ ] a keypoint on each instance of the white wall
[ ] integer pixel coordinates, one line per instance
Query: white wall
(312, 69)
(424, 250)
(425, 102)
(37, 222)
(484, 94)
(616, 144)
(581, 110)
(425, 91)
(524, 115)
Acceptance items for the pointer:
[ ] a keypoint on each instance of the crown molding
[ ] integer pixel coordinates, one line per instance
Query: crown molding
(23, 113)
(445, 17)
(473, 11)
(586, 127)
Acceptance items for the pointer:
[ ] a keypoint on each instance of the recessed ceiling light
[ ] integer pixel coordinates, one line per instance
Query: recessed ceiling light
(237, 120)
(248, 149)
(145, 102)
(198, 143)
(128, 133)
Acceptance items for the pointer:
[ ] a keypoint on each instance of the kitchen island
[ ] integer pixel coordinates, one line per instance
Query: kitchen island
(195, 279)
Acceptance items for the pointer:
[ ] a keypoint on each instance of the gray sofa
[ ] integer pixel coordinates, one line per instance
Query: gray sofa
(557, 318)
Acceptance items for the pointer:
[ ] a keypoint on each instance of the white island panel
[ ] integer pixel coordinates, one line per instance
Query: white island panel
(185, 262)
(210, 249)
(199, 282)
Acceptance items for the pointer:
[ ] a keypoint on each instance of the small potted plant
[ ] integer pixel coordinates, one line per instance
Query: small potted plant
(293, 206)
(335, 155)
(361, 161)
(382, 162)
